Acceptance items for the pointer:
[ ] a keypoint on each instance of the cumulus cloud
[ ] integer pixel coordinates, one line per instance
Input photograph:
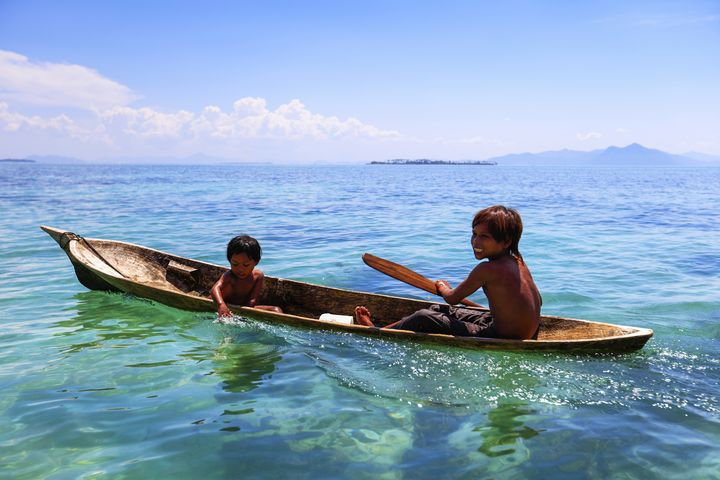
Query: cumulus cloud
(146, 122)
(58, 85)
(588, 136)
(96, 109)
(13, 122)
(250, 118)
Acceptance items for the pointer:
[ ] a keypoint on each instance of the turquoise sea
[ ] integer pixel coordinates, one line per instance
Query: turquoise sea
(105, 385)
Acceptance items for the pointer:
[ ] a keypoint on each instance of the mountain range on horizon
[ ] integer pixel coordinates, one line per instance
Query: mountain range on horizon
(630, 155)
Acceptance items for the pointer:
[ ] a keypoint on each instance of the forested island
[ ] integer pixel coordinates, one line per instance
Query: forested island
(426, 161)
(16, 160)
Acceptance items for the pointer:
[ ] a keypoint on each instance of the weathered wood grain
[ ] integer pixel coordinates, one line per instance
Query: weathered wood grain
(185, 283)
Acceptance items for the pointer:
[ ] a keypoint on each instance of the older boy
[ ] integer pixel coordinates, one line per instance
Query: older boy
(243, 283)
(514, 299)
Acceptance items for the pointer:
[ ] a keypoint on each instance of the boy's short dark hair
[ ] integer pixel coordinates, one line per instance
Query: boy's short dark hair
(504, 224)
(244, 244)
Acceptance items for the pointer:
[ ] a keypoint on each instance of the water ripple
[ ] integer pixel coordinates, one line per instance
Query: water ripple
(106, 384)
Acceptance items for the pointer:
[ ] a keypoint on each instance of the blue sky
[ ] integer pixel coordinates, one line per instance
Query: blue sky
(344, 81)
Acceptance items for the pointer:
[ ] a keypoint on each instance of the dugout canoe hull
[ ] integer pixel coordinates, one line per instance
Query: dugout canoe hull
(185, 283)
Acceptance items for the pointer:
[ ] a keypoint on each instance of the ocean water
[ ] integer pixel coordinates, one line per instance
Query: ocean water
(105, 385)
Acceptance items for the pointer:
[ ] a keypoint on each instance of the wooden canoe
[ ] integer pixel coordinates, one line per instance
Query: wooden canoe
(185, 284)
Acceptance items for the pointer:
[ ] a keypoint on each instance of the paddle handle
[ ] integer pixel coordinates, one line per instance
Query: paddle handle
(406, 275)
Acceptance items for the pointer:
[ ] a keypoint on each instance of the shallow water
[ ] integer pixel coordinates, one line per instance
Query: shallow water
(99, 384)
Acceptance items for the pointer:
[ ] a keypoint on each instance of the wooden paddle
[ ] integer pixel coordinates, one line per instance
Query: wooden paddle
(406, 275)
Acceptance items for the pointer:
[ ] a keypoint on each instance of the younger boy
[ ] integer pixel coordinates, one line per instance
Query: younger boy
(243, 283)
(514, 299)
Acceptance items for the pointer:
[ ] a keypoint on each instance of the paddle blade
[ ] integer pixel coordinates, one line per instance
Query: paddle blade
(399, 272)
(404, 274)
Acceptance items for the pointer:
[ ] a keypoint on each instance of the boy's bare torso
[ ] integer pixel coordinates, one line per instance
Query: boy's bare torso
(236, 290)
(514, 299)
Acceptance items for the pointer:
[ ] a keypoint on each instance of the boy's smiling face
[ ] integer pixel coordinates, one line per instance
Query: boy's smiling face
(242, 265)
(484, 245)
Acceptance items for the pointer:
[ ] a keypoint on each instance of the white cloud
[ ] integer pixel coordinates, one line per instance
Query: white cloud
(58, 84)
(145, 122)
(95, 110)
(588, 136)
(13, 122)
(249, 119)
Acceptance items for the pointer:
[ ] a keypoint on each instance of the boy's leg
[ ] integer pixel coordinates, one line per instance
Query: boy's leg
(435, 319)
(439, 319)
(480, 323)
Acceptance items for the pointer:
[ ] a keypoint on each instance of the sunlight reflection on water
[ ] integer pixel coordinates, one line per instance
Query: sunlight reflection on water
(114, 384)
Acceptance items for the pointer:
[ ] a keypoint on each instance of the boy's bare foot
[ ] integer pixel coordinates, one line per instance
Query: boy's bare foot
(362, 316)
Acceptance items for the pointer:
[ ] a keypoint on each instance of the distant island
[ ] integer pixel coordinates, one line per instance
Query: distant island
(633, 155)
(425, 161)
(630, 155)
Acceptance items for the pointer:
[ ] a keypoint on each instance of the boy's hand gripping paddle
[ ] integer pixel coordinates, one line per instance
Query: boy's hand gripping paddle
(406, 275)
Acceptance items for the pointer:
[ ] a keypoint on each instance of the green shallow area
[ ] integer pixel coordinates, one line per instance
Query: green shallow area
(105, 385)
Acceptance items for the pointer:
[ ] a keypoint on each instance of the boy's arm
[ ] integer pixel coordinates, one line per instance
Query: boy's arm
(216, 294)
(257, 288)
(467, 287)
